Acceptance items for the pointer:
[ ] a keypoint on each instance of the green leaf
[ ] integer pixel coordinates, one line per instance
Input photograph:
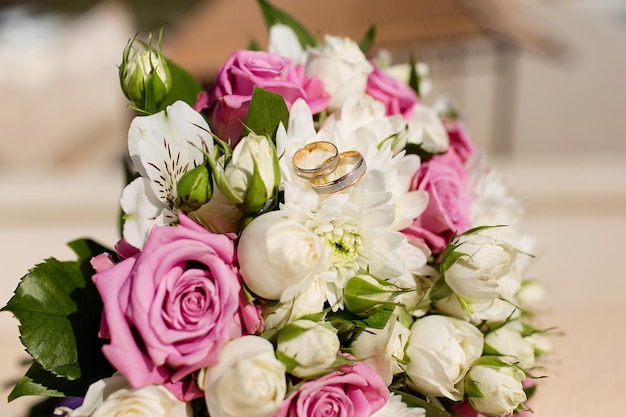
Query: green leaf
(377, 320)
(413, 401)
(275, 16)
(438, 291)
(38, 381)
(184, 86)
(86, 249)
(267, 110)
(368, 39)
(59, 311)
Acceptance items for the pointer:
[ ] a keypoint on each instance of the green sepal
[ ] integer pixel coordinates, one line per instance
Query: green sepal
(438, 291)
(275, 16)
(471, 388)
(289, 362)
(368, 39)
(267, 110)
(364, 298)
(413, 401)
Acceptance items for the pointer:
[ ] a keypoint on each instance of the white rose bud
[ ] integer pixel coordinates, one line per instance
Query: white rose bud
(383, 349)
(495, 388)
(113, 397)
(278, 257)
(248, 380)
(508, 341)
(475, 275)
(341, 65)
(440, 351)
(253, 173)
(311, 347)
(309, 301)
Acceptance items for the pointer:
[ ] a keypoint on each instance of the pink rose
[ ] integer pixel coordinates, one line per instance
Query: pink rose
(444, 178)
(397, 96)
(355, 390)
(169, 309)
(460, 142)
(228, 101)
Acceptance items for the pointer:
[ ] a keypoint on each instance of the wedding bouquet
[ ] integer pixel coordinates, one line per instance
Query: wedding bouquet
(306, 238)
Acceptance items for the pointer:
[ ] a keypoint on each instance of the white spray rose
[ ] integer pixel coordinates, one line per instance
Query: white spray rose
(113, 397)
(395, 407)
(475, 275)
(311, 345)
(341, 65)
(383, 349)
(440, 351)
(278, 256)
(508, 341)
(248, 380)
(309, 301)
(495, 390)
(253, 174)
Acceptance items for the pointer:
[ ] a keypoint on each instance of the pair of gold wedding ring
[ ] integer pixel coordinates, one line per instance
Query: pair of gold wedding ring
(326, 169)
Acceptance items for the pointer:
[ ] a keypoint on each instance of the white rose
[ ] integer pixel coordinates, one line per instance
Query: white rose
(395, 407)
(309, 301)
(530, 294)
(341, 65)
(311, 345)
(113, 397)
(383, 349)
(426, 129)
(278, 256)
(248, 380)
(440, 351)
(253, 156)
(475, 276)
(508, 341)
(495, 390)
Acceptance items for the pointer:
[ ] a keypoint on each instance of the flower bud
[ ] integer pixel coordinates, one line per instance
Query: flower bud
(145, 76)
(364, 294)
(253, 173)
(494, 388)
(194, 188)
(309, 348)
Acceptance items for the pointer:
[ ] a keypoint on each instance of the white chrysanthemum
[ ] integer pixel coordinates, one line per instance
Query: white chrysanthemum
(359, 225)
(162, 147)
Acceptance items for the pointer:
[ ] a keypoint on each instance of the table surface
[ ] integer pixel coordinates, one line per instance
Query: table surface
(579, 258)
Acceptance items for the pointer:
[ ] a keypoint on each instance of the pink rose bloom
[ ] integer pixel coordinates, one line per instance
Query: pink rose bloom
(460, 142)
(444, 178)
(169, 309)
(355, 390)
(397, 96)
(228, 101)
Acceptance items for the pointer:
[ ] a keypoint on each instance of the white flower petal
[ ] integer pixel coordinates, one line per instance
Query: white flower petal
(163, 146)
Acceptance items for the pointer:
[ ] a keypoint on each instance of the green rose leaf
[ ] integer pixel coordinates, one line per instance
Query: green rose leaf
(368, 39)
(267, 110)
(275, 16)
(59, 311)
(184, 86)
(414, 78)
(378, 320)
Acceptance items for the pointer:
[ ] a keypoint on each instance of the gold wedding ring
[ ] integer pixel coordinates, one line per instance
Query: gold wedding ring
(348, 172)
(316, 160)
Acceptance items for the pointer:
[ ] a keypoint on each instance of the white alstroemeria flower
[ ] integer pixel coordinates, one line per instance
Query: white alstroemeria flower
(162, 147)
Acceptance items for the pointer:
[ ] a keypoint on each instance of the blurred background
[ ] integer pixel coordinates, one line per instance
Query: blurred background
(540, 84)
